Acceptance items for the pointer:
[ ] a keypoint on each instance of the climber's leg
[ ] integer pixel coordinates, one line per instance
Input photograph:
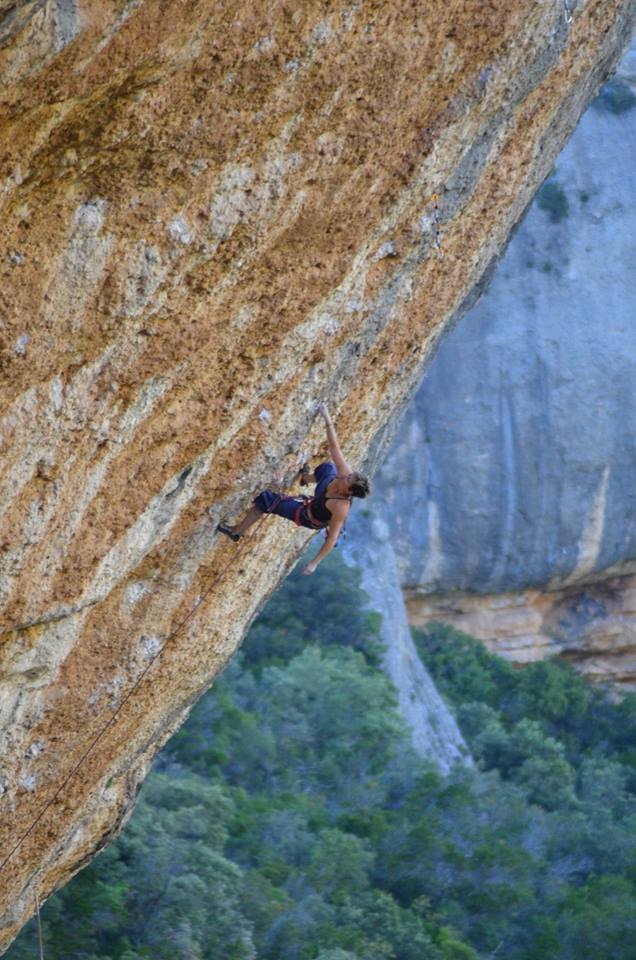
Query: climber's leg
(279, 504)
(266, 502)
(236, 532)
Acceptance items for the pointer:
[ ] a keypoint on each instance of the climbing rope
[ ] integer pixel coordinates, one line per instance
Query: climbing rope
(199, 600)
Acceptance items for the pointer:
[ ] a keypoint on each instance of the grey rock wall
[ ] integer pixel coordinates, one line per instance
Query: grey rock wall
(435, 734)
(515, 465)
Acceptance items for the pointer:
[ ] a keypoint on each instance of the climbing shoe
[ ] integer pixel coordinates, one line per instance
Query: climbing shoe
(222, 528)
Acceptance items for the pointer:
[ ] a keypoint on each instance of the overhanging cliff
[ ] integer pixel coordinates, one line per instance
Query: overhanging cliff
(215, 214)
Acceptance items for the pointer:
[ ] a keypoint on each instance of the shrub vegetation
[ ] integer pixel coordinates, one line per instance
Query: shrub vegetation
(553, 200)
(615, 97)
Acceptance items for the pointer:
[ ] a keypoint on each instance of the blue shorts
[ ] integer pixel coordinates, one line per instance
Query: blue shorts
(282, 506)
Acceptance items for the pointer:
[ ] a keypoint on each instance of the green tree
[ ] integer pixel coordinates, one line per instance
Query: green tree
(597, 921)
(327, 609)
(340, 864)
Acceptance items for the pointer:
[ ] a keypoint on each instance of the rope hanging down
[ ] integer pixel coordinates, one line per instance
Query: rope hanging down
(200, 599)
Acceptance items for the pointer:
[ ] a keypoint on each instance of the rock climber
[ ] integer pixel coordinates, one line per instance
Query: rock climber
(336, 483)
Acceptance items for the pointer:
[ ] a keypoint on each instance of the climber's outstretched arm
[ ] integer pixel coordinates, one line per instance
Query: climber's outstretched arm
(342, 466)
(332, 538)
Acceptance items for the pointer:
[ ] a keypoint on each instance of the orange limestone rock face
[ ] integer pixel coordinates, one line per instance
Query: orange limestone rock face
(214, 215)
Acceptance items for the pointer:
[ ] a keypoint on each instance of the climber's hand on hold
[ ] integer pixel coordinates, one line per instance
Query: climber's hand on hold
(309, 568)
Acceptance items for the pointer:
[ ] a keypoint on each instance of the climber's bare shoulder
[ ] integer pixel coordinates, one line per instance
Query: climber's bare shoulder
(338, 508)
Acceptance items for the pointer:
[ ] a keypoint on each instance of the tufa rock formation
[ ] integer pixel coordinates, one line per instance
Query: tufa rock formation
(518, 453)
(215, 214)
(434, 731)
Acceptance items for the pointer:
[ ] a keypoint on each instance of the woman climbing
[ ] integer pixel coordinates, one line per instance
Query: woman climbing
(336, 483)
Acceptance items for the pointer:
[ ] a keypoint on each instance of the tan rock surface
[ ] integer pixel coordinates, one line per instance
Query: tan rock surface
(215, 214)
(591, 625)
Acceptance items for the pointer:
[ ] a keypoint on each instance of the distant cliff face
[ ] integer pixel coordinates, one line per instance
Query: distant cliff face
(213, 216)
(591, 625)
(519, 452)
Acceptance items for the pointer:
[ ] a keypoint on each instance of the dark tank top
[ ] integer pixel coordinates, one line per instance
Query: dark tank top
(319, 509)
